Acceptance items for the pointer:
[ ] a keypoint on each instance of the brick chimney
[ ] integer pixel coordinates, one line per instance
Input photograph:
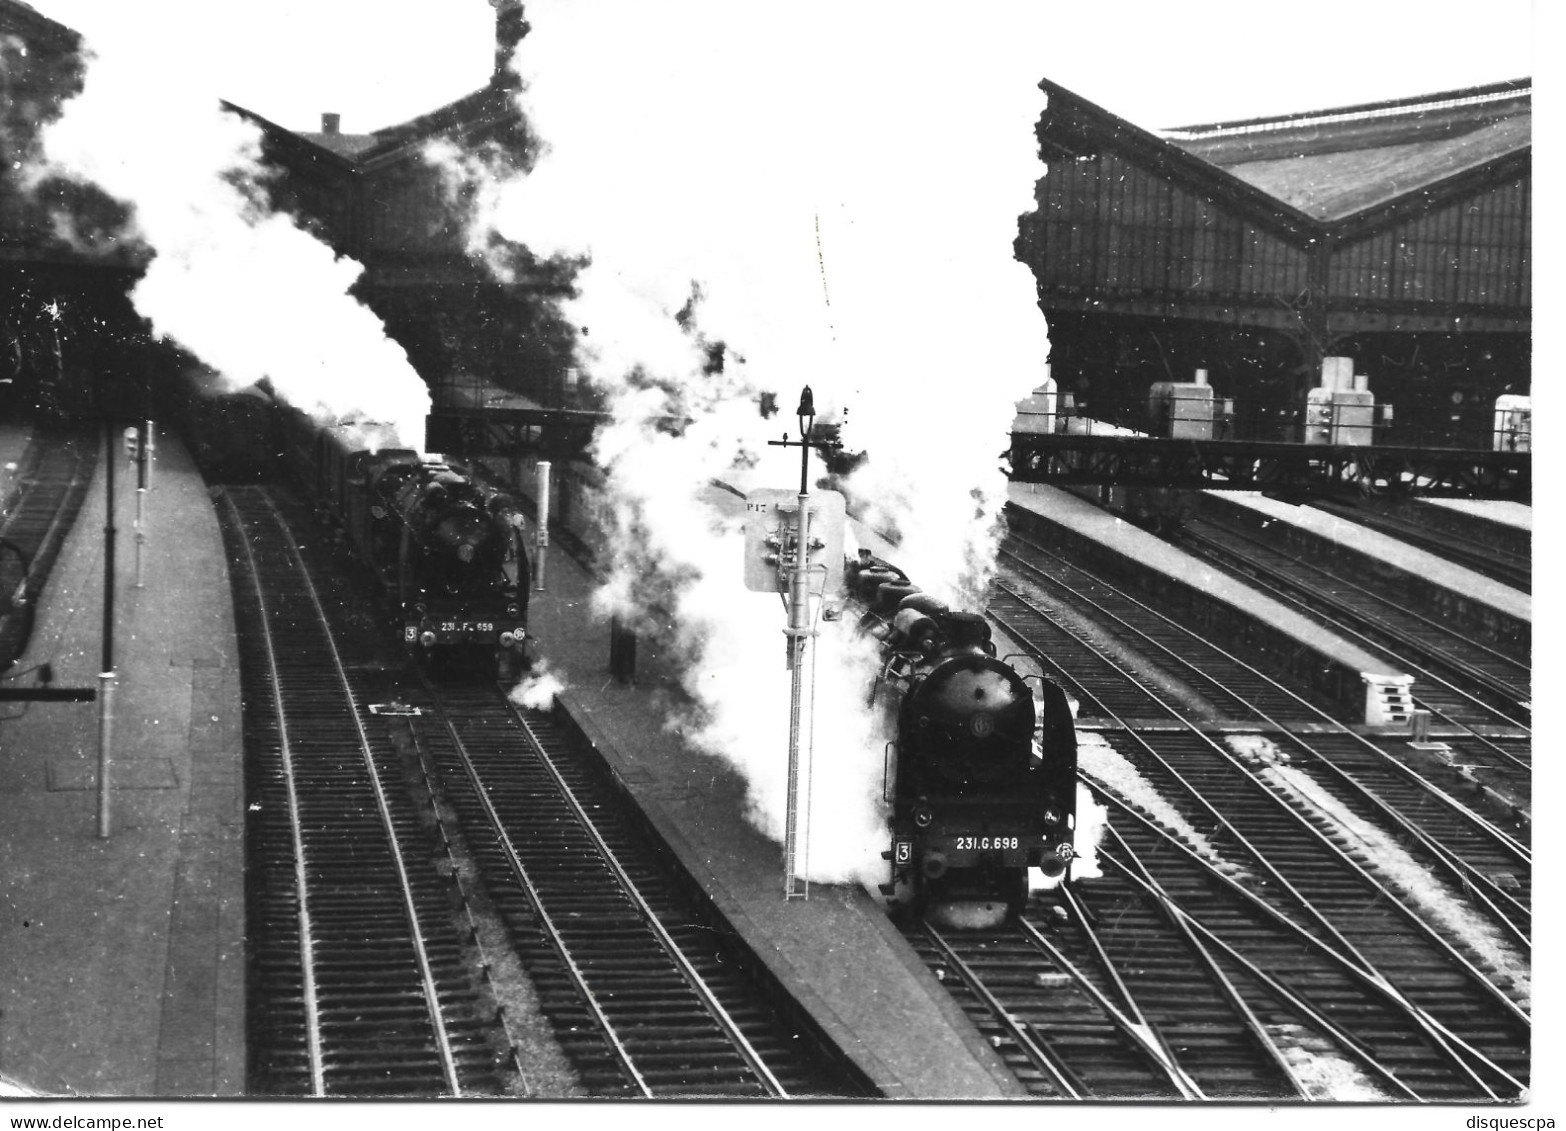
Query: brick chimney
(510, 27)
(331, 123)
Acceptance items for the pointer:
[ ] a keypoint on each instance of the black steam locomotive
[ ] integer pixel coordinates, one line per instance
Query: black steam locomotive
(984, 786)
(444, 540)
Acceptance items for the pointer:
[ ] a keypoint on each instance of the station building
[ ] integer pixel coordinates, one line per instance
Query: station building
(63, 279)
(481, 315)
(1396, 233)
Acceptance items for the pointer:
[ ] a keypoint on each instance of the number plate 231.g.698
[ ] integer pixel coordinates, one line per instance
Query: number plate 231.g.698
(1011, 848)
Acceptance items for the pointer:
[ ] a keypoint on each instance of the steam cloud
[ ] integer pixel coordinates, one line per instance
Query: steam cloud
(824, 195)
(537, 690)
(237, 284)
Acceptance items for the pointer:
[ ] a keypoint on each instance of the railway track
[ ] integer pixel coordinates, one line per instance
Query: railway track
(1349, 770)
(1226, 685)
(648, 991)
(363, 983)
(1166, 978)
(1243, 998)
(1482, 557)
(1464, 679)
(1074, 1018)
(1094, 675)
(51, 481)
(1233, 689)
(372, 782)
(1401, 915)
(1176, 974)
(1487, 722)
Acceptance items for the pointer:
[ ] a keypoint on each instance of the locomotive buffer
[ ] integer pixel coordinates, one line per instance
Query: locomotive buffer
(786, 549)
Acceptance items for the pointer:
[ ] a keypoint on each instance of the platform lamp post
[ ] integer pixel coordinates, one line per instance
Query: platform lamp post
(793, 568)
(139, 445)
(541, 537)
(798, 638)
(106, 675)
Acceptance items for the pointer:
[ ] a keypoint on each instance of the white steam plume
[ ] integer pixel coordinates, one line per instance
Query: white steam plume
(536, 690)
(832, 192)
(843, 182)
(240, 286)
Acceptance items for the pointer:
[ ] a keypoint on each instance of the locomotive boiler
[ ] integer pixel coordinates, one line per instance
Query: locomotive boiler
(981, 779)
(444, 540)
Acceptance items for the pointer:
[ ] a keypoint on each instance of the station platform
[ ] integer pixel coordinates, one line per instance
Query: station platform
(122, 957)
(1491, 610)
(1388, 550)
(835, 951)
(1516, 516)
(1506, 526)
(1360, 683)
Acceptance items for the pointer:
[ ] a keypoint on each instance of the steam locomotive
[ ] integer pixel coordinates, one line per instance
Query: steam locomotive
(983, 783)
(443, 539)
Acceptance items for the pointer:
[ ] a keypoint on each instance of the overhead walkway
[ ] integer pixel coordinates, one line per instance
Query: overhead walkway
(1291, 470)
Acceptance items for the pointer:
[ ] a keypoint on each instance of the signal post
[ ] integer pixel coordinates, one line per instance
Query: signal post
(786, 549)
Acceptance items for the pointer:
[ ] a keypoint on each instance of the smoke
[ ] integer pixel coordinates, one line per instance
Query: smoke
(536, 691)
(470, 181)
(237, 284)
(825, 195)
(1087, 836)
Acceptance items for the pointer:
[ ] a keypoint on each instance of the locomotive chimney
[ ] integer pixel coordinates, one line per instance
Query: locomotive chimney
(331, 123)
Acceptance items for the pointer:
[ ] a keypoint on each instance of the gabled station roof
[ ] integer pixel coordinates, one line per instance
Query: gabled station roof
(346, 146)
(473, 113)
(1334, 163)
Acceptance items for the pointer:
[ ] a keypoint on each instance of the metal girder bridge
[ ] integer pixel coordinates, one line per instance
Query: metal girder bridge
(1275, 468)
(545, 433)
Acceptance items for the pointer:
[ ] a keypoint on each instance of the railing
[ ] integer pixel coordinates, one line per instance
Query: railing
(1290, 428)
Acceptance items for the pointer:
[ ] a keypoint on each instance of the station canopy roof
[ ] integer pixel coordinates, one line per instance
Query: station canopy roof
(1333, 163)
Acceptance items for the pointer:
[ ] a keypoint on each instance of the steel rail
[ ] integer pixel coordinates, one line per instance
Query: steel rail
(426, 975)
(497, 828)
(451, 831)
(1038, 1051)
(1127, 1016)
(1349, 959)
(1482, 886)
(38, 554)
(1508, 842)
(1498, 684)
(1470, 553)
(1340, 583)
(1292, 998)
(1282, 591)
(672, 949)
(1230, 991)
(1334, 850)
(301, 882)
(13, 515)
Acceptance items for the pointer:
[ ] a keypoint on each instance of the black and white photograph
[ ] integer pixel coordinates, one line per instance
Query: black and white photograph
(924, 561)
